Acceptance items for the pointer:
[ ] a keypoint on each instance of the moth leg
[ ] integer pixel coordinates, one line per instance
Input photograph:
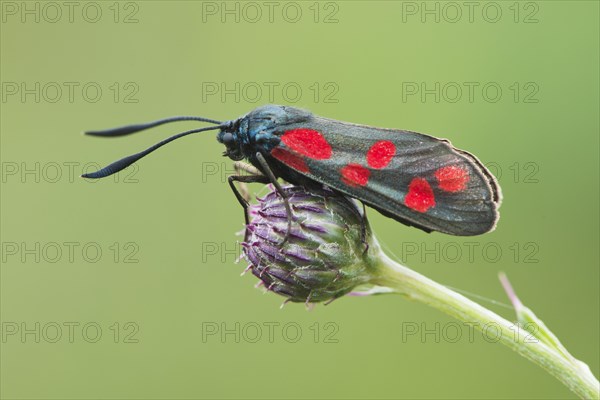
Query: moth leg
(286, 203)
(244, 179)
(363, 228)
(241, 168)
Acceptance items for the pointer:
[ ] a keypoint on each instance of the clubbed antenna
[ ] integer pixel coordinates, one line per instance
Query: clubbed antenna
(129, 129)
(127, 161)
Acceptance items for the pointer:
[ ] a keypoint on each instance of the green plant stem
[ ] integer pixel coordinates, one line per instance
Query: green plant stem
(422, 289)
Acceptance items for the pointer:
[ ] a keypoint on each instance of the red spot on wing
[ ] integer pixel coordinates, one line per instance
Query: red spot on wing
(380, 154)
(452, 178)
(307, 142)
(420, 195)
(290, 159)
(355, 175)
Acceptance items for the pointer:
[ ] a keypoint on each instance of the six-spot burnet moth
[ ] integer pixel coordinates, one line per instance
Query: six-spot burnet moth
(413, 178)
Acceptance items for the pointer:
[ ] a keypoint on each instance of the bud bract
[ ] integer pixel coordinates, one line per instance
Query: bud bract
(328, 251)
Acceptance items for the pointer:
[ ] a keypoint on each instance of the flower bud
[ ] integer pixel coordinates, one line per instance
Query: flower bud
(328, 250)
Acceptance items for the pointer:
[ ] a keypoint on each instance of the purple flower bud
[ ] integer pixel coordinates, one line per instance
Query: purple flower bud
(327, 252)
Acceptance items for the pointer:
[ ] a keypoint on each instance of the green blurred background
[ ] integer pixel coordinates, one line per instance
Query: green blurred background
(166, 228)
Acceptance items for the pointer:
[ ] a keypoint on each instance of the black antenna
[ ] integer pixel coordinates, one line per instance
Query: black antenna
(126, 130)
(127, 161)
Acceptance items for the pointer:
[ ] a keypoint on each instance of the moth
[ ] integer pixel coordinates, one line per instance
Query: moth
(416, 179)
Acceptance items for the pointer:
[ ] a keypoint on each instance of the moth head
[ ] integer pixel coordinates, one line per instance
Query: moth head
(231, 138)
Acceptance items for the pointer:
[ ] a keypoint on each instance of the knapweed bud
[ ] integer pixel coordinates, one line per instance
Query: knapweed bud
(327, 253)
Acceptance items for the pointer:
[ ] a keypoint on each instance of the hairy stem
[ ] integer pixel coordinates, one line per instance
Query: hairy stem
(415, 286)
